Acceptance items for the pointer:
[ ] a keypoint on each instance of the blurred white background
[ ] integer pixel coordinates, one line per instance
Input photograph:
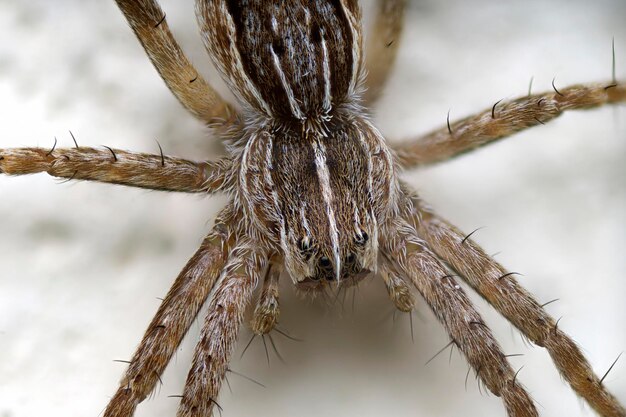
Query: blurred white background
(82, 264)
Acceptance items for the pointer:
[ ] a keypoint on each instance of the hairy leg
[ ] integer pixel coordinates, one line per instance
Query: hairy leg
(227, 306)
(148, 22)
(398, 290)
(267, 310)
(502, 291)
(454, 310)
(504, 119)
(174, 317)
(155, 172)
(382, 46)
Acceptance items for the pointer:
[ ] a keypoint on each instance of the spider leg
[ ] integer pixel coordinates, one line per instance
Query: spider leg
(409, 254)
(156, 172)
(149, 23)
(267, 309)
(503, 292)
(382, 46)
(398, 290)
(504, 119)
(227, 306)
(174, 317)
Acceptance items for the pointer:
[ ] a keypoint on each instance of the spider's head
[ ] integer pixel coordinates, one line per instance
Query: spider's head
(321, 197)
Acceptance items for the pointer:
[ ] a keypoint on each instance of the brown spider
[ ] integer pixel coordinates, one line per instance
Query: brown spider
(115, 154)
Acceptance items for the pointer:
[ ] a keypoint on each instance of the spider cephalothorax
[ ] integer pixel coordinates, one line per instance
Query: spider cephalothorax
(315, 191)
(320, 196)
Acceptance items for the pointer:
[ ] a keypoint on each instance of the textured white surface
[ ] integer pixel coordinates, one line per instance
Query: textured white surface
(81, 264)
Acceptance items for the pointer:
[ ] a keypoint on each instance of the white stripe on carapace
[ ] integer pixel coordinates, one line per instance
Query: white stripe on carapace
(305, 222)
(307, 16)
(368, 152)
(327, 194)
(269, 183)
(370, 189)
(392, 191)
(356, 217)
(243, 177)
(293, 104)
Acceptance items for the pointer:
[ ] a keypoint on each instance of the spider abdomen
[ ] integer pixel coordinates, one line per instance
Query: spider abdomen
(289, 60)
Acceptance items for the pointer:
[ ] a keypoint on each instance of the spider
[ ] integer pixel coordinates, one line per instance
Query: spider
(114, 155)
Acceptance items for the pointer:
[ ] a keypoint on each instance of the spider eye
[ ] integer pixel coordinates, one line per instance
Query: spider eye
(325, 262)
(362, 238)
